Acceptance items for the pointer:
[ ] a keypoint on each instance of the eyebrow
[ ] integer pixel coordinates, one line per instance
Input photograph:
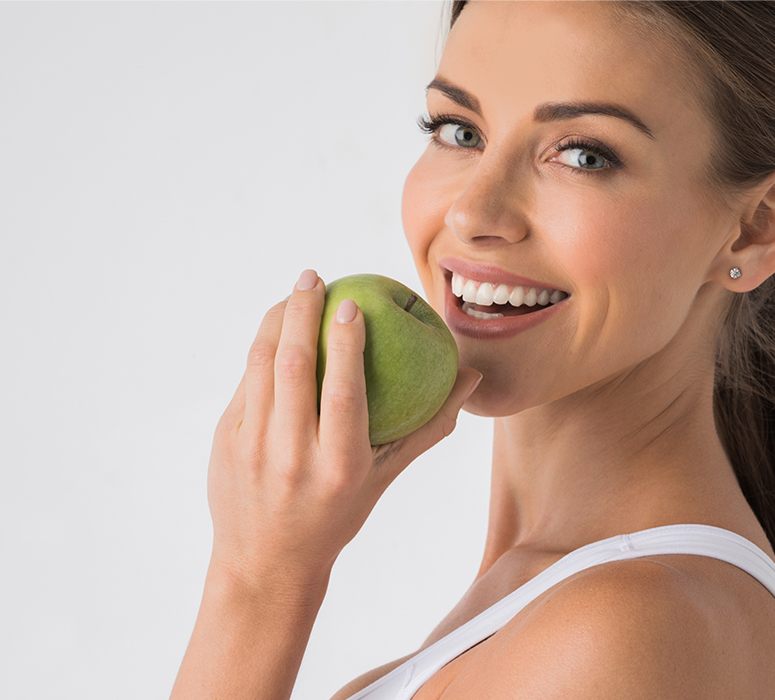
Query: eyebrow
(546, 112)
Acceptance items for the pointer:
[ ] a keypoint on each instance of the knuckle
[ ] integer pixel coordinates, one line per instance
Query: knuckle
(344, 397)
(341, 473)
(261, 355)
(340, 345)
(337, 485)
(294, 363)
(291, 471)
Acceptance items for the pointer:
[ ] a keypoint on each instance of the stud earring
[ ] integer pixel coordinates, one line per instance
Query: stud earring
(735, 272)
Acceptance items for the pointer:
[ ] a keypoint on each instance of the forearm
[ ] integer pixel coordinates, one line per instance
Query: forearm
(248, 644)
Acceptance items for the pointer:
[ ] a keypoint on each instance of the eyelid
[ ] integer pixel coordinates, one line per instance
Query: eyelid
(431, 123)
(589, 144)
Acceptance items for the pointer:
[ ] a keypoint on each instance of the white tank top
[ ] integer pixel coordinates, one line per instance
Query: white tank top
(689, 538)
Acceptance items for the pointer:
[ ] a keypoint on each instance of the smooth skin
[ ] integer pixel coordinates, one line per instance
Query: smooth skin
(603, 420)
(603, 414)
(284, 485)
(603, 417)
(287, 491)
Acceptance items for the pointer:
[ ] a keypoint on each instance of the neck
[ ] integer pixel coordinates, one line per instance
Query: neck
(631, 455)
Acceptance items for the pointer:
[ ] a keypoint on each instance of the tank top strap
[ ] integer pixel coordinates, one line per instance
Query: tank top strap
(684, 538)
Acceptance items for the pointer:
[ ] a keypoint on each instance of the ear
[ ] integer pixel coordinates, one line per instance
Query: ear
(751, 247)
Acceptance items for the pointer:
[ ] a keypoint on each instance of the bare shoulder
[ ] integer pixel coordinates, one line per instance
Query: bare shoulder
(630, 628)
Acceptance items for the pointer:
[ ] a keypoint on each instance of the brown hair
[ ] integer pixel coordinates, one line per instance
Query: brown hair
(729, 45)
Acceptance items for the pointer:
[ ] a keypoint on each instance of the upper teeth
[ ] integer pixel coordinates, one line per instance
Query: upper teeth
(487, 293)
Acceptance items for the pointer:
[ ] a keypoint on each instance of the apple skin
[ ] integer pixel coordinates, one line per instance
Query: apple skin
(410, 358)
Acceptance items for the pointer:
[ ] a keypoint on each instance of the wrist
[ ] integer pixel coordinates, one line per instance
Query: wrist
(272, 583)
(250, 633)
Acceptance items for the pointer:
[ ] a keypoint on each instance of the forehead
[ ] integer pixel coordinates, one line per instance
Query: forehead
(513, 55)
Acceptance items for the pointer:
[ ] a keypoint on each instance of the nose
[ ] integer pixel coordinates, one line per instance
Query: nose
(488, 212)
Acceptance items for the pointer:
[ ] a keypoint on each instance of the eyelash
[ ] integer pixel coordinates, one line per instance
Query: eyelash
(430, 124)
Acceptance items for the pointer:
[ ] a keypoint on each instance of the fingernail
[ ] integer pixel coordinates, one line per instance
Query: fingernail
(346, 311)
(474, 385)
(307, 280)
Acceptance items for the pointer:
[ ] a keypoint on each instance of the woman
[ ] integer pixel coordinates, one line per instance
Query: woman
(631, 414)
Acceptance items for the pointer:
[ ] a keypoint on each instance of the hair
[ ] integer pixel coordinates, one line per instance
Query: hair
(728, 45)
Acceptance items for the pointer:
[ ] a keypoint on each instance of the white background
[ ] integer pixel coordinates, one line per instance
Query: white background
(166, 172)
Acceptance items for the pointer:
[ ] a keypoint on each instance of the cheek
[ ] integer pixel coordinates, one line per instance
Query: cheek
(613, 238)
(601, 239)
(424, 204)
(593, 238)
(632, 259)
(421, 212)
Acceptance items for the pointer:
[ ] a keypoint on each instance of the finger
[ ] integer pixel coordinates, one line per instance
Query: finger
(295, 368)
(256, 390)
(344, 411)
(403, 452)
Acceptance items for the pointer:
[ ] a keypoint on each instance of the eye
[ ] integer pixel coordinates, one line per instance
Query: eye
(599, 155)
(603, 158)
(463, 133)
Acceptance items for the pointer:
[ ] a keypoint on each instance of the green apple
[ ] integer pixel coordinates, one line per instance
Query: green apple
(410, 358)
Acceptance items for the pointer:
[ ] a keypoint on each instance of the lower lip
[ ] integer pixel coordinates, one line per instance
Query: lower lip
(483, 329)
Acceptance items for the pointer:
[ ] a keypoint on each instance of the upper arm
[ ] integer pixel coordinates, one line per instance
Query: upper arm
(620, 630)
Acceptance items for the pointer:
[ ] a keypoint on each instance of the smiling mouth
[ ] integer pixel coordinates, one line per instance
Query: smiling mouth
(493, 309)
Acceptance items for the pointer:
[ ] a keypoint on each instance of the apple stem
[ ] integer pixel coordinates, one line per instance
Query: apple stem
(410, 303)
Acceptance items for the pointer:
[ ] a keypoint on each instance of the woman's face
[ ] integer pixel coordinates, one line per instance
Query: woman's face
(632, 243)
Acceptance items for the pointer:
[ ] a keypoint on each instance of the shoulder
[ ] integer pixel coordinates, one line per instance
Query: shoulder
(627, 628)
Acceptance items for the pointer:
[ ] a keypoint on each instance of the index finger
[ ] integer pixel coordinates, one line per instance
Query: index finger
(253, 399)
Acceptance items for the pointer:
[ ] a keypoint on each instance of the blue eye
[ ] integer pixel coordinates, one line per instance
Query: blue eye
(431, 124)
(598, 152)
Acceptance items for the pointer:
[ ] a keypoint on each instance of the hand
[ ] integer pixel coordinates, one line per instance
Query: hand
(288, 489)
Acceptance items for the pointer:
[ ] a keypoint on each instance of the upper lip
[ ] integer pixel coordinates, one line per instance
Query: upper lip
(485, 272)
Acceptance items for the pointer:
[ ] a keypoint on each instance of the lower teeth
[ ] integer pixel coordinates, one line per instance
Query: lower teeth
(479, 314)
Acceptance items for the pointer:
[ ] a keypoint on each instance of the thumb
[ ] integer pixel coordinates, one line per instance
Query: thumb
(445, 421)
(404, 451)
(466, 384)
(475, 382)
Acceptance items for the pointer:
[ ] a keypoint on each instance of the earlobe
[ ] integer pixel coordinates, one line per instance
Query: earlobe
(750, 259)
